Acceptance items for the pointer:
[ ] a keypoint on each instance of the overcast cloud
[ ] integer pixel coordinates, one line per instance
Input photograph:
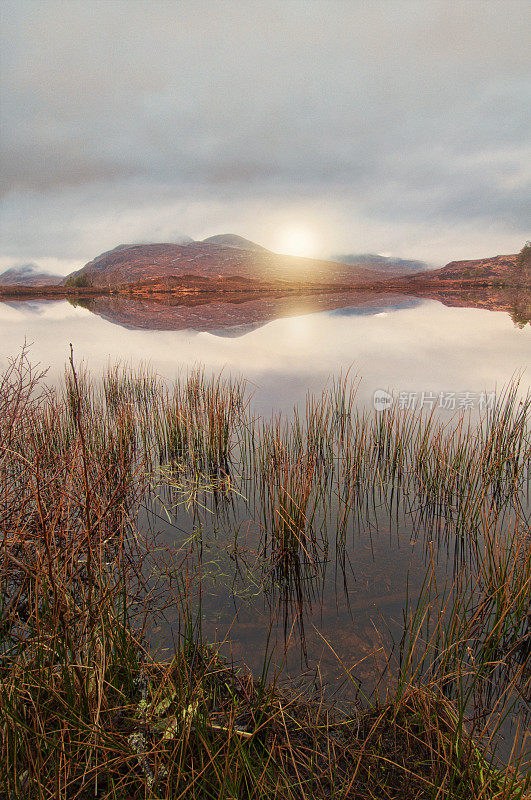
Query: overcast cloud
(397, 127)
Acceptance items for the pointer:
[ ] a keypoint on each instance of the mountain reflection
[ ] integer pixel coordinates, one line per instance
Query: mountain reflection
(237, 314)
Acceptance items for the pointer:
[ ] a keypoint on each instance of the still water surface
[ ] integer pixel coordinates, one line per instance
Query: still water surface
(398, 343)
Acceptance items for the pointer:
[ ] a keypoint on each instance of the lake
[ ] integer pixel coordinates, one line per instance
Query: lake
(285, 348)
(347, 606)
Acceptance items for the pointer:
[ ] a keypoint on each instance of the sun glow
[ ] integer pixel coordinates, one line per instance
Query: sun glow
(297, 241)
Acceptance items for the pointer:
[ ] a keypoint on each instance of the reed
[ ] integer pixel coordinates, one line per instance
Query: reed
(468, 643)
(88, 709)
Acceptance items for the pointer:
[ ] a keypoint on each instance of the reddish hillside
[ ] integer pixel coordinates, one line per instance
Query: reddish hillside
(495, 270)
(132, 264)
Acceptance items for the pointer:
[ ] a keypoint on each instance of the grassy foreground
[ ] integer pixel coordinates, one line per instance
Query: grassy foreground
(87, 711)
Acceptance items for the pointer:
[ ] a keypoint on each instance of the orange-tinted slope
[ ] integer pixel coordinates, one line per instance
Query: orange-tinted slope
(140, 263)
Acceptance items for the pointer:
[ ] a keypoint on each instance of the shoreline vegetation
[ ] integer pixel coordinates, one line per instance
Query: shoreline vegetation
(87, 709)
(234, 286)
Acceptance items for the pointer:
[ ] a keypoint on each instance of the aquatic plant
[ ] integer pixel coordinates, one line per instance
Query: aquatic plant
(87, 707)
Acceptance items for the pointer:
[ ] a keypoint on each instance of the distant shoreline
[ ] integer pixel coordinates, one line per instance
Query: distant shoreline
(409, 285)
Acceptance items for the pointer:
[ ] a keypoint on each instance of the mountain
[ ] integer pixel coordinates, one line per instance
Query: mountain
(29, 275)
(168, 263)
(228, 263)
(233, 240)
(509, 270)
(392, 267)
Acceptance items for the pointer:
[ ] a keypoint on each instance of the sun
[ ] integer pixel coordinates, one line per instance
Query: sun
(297, 240)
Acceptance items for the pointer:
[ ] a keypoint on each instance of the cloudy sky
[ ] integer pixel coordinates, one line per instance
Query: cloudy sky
(312, 127)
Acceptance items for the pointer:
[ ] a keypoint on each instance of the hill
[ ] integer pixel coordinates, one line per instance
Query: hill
(127, 265)
(29, 275)
(506, 270)
(390, 266)
(233, 240)
(230, 263)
